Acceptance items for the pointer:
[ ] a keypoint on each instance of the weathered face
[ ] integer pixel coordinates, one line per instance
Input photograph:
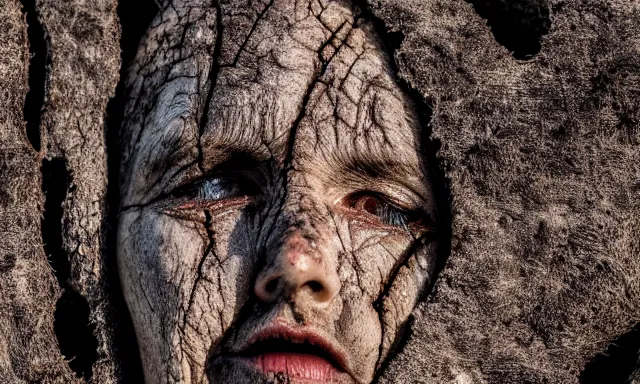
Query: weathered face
(277, 222)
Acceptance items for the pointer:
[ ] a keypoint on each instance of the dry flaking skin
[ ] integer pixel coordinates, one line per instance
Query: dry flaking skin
(273, 186)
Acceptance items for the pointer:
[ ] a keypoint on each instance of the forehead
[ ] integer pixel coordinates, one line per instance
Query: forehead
(303, 80)
(323, 78)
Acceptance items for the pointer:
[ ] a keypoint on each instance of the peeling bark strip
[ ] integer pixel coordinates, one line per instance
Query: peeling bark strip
(28, 348)
(83, 48)
(71, 325)
(34, 101)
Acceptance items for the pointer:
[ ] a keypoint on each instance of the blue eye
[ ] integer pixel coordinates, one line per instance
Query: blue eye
(216, 189)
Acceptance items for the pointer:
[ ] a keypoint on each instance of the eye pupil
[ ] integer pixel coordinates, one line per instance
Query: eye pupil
(370, 205)
(387, 213)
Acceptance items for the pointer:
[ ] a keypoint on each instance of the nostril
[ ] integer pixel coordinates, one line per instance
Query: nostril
(315, 286)
(271, 286)
(268, 287)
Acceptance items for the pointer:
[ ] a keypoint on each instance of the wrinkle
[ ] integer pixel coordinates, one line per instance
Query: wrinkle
(208, 250)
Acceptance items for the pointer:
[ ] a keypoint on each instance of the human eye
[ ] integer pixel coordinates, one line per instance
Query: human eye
(216, 191)
(379, 209)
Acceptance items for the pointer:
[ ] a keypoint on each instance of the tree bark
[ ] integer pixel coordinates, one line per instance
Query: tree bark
(28, 289)
(54, 296)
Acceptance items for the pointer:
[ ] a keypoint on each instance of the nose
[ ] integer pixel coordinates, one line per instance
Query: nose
(298, 268)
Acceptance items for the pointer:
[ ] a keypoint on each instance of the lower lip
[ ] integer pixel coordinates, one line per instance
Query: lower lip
(307, 367)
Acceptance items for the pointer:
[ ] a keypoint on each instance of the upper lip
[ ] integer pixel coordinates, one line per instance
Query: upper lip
(297, 336)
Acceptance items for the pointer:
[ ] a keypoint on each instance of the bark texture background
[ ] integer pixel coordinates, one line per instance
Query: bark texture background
(28, 290)
(535, 105)
(543, 159)
(61, 309)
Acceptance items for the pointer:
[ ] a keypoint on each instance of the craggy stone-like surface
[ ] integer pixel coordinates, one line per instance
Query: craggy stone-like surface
(544, 161)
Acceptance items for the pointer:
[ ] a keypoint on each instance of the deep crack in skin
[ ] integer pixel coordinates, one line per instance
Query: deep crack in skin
(272, 175)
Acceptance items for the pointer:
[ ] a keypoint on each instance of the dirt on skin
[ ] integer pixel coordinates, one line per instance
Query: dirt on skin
(538, 135)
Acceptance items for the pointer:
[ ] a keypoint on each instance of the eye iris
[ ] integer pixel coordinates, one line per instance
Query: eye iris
(386, 213)
(370, 205)
(216, 189)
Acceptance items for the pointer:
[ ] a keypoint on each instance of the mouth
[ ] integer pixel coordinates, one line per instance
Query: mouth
(295, 353)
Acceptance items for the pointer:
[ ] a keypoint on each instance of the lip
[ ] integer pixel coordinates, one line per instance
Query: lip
(330, 352)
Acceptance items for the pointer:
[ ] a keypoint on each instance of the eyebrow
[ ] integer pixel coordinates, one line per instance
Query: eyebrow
(376, 165)
(229, 145)
(377, 168)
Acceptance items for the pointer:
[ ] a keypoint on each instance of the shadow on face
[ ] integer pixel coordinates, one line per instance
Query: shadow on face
(278, 223)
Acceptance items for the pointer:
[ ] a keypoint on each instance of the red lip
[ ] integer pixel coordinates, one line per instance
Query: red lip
(296, 352)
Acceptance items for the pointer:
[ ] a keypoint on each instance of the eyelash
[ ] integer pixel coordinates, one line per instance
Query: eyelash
(366, 203)
(387, 213)
(215, 189)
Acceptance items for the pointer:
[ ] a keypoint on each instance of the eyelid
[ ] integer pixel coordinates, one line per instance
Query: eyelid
(383, 197)
(224, 186)
(419, 213)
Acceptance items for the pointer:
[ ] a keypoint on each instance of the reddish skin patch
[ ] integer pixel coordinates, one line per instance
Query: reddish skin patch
(296, 246)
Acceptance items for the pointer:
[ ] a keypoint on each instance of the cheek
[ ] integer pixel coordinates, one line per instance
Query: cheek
(380, 288)
(403, 291)
(369, 259)
(360, 331)
(183, 284)
(366, 264)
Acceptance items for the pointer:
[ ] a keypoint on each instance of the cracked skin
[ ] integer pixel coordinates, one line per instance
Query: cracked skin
(278, 217)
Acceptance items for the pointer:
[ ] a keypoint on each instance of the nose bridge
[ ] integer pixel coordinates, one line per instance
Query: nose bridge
(297, 257)
(297, 228)
(300, 256)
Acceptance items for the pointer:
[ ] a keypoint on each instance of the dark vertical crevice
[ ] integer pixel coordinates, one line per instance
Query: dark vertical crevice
(391, 41)
(518, 25)
(617, 364)
(71, 318)
(34, 101)
(75, 333)
(55, 182)
(135, 18)
(213, 80)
